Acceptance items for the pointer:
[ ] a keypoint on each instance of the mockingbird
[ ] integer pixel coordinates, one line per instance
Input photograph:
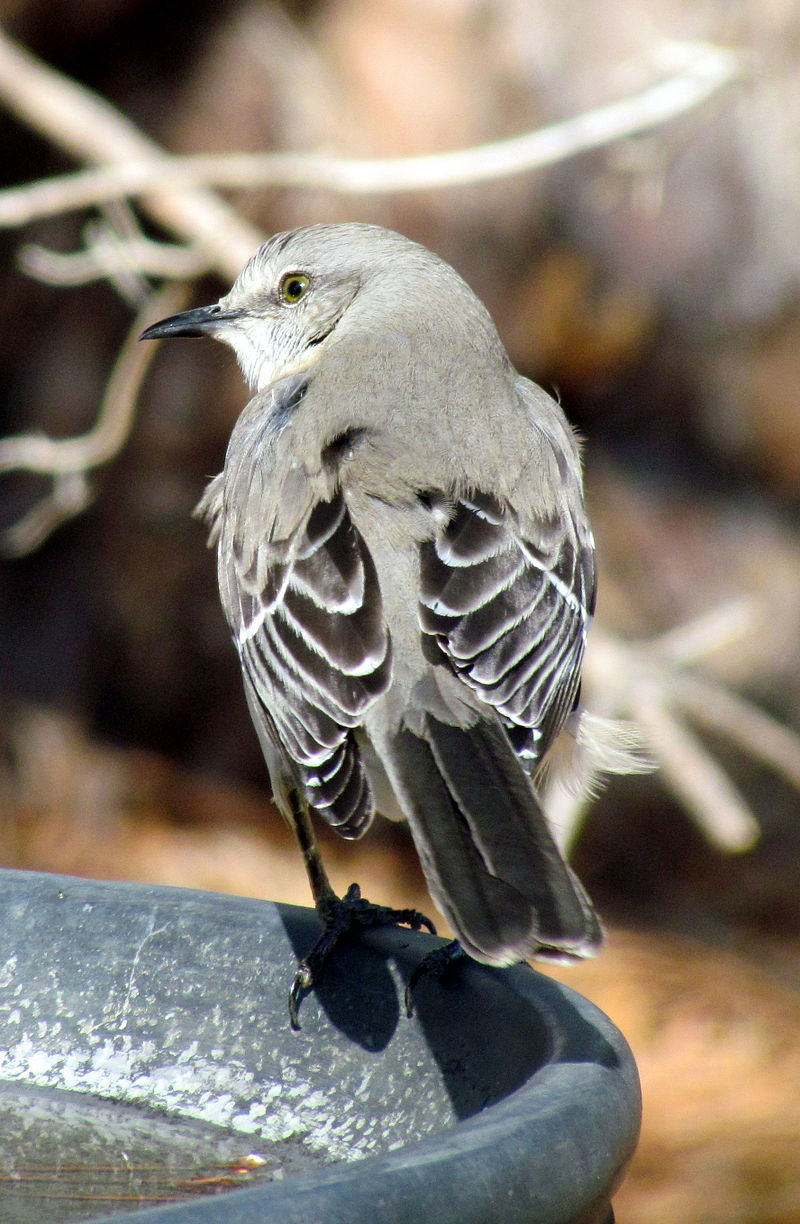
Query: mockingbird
(408, 573)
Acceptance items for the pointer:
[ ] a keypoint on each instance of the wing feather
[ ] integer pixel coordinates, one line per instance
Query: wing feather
(509, 604)
(308, 621)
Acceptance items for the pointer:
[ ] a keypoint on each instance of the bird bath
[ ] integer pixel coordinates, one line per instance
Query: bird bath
(507, 1096)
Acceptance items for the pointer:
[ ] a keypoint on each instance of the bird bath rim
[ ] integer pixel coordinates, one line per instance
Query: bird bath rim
(506, 1087)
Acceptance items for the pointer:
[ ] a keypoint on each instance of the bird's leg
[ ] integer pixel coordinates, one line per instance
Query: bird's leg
(321, 887)
(338, 914)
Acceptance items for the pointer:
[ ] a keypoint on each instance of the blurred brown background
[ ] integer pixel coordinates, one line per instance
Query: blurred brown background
(654, 285)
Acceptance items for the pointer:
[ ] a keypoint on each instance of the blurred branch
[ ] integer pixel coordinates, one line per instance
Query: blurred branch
(742, 723)
(698, 781)
(90, 129)
(107, 256)
(654, 684)
(709, 633)
(139, 167)
(68, 461)
(110, 242)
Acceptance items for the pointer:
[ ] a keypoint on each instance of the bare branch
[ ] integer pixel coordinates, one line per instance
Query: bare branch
(699, 783)
(106, 260)
(67, 461)
(707, 634)
(89, 128)
(70, 495)
(656, 684)
(741, 722)
(141, 167)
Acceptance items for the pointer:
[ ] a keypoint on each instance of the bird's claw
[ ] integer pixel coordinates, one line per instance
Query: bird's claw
(339, 916)
(436, 964)
(303, 981)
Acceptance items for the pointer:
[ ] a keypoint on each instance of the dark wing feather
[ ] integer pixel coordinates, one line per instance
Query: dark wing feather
(509, 607)
(316, 654)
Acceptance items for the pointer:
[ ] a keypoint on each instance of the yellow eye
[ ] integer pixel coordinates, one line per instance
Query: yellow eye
(294, 286)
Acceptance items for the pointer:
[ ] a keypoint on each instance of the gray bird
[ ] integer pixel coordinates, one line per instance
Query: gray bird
(408, 573)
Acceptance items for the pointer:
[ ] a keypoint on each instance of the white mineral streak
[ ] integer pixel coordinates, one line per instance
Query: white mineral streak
(191, 1087)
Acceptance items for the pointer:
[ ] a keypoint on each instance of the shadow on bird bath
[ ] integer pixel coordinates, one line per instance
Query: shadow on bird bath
(470, 1020)
(504, 1088)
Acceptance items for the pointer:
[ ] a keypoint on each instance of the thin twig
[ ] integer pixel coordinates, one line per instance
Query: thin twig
(656, 684)
(698, 781)
(89, 128)
(70, 495)
(67, 461)
(709, 633)
(705, 70)
(738, 720)
(167, 261)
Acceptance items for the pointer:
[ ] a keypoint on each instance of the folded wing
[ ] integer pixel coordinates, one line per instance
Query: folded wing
(509, 604)
(308, 623)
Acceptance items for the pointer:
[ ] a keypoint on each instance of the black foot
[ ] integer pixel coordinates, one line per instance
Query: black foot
(341, 915)
(436, 964)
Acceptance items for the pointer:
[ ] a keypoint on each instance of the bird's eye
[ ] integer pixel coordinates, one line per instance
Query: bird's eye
(293, 287)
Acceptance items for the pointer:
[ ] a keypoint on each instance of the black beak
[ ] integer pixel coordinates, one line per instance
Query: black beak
(198, 322)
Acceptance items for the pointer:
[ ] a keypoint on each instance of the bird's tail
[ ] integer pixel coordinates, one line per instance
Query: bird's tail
(490, 860)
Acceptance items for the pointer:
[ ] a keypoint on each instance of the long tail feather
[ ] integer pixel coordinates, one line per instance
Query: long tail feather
(491, 862)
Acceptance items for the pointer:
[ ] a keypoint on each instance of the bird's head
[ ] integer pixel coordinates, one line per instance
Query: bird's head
(292, 296)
